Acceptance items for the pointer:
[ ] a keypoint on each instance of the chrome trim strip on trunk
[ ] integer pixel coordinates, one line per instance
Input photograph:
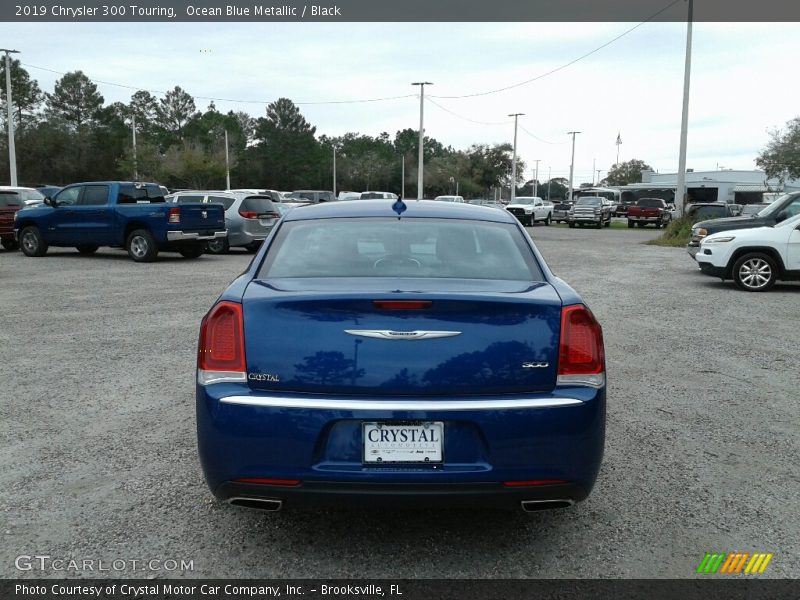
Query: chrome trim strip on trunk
(387, 334)
(411, 405)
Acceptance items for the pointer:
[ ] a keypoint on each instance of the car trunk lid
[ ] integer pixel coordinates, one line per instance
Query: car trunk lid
(340, 337)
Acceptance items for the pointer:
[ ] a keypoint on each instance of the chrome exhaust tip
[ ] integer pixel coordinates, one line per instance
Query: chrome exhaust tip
(258, 503)
(536, 505)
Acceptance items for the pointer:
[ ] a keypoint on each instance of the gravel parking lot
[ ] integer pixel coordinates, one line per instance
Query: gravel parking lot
(99, 459)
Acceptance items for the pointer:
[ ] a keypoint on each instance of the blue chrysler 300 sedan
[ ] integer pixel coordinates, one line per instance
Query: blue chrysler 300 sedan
(412, 353)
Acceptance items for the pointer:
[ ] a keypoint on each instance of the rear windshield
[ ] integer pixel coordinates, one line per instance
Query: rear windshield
(27, 195)
(419, 248)
(10, 199)
(188, 199)
(710, 212)
(373, 196)
(257, 204)
(132, 194)
(650, 203)
(226, 202)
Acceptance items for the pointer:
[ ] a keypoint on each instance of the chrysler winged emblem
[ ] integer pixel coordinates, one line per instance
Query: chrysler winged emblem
(204, 213)
(387, 334)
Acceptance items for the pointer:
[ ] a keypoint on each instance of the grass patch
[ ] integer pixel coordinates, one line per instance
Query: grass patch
(677, 234)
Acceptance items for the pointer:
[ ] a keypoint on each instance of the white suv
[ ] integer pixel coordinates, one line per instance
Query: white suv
(754, 258)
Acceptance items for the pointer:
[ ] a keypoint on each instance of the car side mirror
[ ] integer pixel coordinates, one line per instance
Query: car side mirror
(782, 216)
(50, 202)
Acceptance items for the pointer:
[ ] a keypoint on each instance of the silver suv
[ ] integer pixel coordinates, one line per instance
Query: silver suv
(248, 217)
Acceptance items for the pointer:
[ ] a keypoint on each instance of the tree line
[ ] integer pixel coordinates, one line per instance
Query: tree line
(71, 134)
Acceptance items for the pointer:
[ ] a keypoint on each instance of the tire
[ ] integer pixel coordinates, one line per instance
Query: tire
(87, 249)
(572, 225)
(547, 220)
(141, 246)
(10, 244)
(608, 223)
(31, 242)
(253, 248)
(631, 224)
(192, 251)
(218, 246)
(755, 272)
(642, 224)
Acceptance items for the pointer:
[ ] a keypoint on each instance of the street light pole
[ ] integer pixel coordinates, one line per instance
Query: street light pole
(334, 171)
(680, 190)
(514, 159)
(536, 178)
(135, 160)
(572, 162)
(548, 183)
(227, 164)
(420, 180)
(12, 151)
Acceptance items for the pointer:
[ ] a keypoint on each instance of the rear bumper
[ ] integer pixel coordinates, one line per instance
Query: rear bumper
(399, 495)
(557, 436)
(645, 219)
(245, 238)
(194, 236)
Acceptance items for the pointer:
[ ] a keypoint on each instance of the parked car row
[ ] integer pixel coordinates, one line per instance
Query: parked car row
(754, 251)
(133, 216)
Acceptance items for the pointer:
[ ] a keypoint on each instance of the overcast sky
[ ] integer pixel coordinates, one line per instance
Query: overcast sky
(744, 80)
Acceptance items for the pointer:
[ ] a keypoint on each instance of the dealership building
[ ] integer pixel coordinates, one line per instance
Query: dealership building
(733, 187)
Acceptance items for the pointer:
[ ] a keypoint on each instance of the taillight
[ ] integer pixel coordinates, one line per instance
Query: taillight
(402, 304)
(581, 358)
(268, 481)
(220, 353)
(248, 214)
(174, 215)
(534, 482)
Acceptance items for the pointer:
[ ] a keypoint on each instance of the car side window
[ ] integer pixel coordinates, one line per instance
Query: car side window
(68, 196)
(94, 195)
(794, 208)
(226, 202)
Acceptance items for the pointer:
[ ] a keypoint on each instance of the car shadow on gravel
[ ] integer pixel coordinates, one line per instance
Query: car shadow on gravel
(780, 287)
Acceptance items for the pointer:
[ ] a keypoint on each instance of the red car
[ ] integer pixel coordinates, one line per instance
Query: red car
(10, 202)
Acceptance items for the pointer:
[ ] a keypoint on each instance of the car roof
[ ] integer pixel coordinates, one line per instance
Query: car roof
(15, 188)
(414, 209)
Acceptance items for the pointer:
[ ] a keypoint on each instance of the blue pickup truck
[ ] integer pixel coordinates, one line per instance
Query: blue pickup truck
(122, 214)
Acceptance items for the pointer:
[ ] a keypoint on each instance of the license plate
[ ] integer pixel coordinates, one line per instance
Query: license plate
(267, 222)
(418, 442)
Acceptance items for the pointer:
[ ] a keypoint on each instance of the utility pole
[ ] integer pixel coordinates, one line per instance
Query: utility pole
(334, 171)
(598, 176)
(680, 190)
(420, 180)
(536, 178)
(548, 183)
(227, 164)
(572, 162)
(135, 160)
(594, 164)
(514, 160)
(12, 151)
(403, 178)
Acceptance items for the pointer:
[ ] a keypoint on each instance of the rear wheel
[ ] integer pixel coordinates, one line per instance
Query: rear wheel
(547, 220)
(608, 223)
(10, 244)
(141, 246)
(218, 246)
(31, 242)
(193, 251)
(87, 249)
(631, 224)
(755, 272)
(572, 224)
(642, 224)
(253, 247)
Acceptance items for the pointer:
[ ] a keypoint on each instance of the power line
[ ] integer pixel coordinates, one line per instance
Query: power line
(466, 118)
(215, 99)
(541, 140)
(389, 98)
(564, 66)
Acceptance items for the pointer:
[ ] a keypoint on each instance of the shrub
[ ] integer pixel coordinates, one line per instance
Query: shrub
(677, 233)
